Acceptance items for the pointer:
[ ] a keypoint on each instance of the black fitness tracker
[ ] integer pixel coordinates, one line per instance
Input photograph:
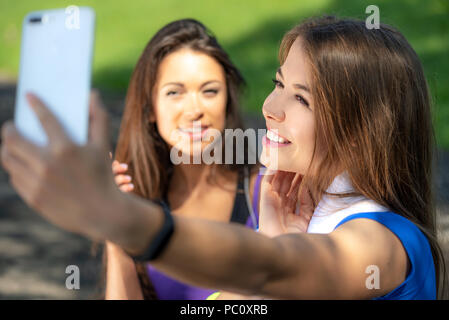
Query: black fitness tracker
(161, 239)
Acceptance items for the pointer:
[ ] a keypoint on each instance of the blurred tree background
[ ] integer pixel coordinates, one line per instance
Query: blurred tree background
(249, 30)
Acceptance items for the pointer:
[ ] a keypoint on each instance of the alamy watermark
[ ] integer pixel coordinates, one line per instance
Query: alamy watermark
(238, 146)
(373, 20)
(373, 280)
(72, 282)
(72, 21)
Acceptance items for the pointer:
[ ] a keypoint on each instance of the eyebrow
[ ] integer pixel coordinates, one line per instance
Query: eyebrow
(182, 85)
(296, 85)
(174, 84)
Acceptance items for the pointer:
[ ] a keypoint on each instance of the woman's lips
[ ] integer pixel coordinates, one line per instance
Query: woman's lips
(273, 144)
(274, 135)
(194, 133)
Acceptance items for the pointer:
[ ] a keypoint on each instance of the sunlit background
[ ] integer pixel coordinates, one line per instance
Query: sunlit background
(34, 254)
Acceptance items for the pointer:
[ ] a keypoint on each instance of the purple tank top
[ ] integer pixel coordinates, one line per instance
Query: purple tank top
(168, 288)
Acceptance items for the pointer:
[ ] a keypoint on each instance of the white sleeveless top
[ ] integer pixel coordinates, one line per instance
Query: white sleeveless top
(331, 209)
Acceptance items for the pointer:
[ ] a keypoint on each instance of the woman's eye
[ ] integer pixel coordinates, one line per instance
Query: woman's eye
(211, 92)
(302, 100)
(172, 93)
(277, 83)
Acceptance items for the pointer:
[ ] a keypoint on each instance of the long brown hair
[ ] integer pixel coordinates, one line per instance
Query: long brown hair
(372, 111)
(139, 143)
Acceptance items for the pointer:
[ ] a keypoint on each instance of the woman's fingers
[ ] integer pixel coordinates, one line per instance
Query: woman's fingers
(292, 195)
(122, 179)
(53, 128)
(277, 180)
(124, 182)
(286, 183)
(20, 147)
(306, 201)
(127, 187)
(118, 167)
(296, 183)
(268, 175)
(282, 182)
(267, 180)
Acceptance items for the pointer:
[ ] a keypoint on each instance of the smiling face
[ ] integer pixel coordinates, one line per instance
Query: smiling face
(289, 115)
(190, 97)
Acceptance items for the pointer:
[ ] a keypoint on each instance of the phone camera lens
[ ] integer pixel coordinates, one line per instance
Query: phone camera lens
(35, 20)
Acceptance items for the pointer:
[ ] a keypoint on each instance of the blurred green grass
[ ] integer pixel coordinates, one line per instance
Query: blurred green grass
(249, 30)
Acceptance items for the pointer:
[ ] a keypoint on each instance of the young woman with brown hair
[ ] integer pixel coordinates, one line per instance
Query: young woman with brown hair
(349, 120)
(182, 79)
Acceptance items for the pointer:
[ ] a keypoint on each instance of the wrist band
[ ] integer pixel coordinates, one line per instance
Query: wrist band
(161, 239)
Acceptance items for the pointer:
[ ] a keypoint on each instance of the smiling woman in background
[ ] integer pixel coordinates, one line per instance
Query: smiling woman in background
(183, 85)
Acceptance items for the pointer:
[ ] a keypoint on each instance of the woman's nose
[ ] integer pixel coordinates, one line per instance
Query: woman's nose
(195, 115)
(272, 110)
(194, 110)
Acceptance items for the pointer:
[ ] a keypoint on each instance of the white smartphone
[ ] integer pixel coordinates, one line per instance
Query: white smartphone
(55, 64)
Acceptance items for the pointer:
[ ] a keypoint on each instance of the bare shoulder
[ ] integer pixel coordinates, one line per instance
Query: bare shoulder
(361, 259)
(378, 249)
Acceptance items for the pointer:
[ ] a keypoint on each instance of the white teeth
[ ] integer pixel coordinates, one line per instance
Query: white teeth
(274, 137)
(196, 129)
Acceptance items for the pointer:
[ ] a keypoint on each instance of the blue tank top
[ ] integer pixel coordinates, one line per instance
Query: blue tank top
(420, 283)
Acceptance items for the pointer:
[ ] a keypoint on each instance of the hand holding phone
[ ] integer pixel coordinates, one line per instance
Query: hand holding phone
(55, 64)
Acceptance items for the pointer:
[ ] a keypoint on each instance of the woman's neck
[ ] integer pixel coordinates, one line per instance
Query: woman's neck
(189, 176)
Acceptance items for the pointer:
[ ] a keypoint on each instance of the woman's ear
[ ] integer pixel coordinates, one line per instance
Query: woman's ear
(152, 118)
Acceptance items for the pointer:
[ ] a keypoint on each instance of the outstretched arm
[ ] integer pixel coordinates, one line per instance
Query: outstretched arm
(290, 266)
(72, 187)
